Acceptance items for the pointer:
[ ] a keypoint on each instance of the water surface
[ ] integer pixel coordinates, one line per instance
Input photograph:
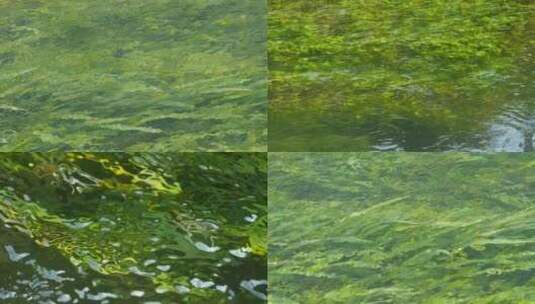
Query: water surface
(401, 228)
(402, 75)
(133, 228)
(133, 75)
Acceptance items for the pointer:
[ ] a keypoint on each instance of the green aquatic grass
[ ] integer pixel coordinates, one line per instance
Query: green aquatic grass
(180, 227)
(133, 75)
(401, 228)
(412, 75)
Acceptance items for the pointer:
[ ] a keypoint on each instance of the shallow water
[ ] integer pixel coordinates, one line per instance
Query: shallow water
(136, 228)
(401, 228)
(133, 75)
(34, 274)
(401, 75)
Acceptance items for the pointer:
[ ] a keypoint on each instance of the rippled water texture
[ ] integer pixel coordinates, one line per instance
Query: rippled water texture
(134, 75)
(401, 228)
(133, 228)
(402, 75)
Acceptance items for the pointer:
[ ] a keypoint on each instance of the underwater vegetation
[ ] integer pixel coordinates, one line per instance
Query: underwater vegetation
(133, 228)
(412, 75)
(401, 228)
(133, 75)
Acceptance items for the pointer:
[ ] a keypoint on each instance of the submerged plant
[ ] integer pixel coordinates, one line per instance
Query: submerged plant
(132, 75)
(126, 215)
(401, 228)
(413, 75)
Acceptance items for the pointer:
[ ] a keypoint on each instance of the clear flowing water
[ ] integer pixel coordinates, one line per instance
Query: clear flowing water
(31, 274)
(402, 75)
(133, 228)
(401, 228)
(133, 75)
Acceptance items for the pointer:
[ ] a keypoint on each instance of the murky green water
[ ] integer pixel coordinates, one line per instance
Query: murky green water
(402, 75)
(133, 228)
(133, 75)
(401, 228)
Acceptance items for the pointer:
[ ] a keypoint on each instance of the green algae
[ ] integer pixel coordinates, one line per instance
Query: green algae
(401, 75)
(179, 227)
(133, 75)
(401, 228)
